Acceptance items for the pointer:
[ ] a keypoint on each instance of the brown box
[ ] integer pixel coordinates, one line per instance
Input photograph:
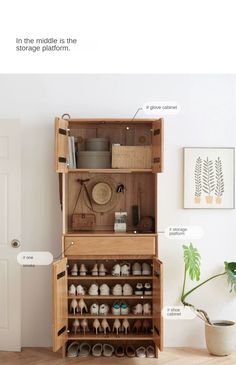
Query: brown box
(131, 157)
(83, 222)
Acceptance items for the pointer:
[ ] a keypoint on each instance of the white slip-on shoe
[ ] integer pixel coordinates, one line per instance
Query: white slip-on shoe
(138, 309)
(117, 290)
(80, 290)
(83, 270)
(147, 309)
(94, 271)
(104, 289)
(72, 290)
(146, 269)
(73, 349)
(93, 289)
(108, 350)
(127, 289)
(97, 350)
(102, 270)
(136, 269)
(74, 270)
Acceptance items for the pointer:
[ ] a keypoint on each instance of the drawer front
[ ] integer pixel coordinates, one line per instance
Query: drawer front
(91, 246)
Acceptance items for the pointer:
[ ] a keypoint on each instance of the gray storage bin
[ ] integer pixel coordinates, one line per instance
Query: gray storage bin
(97, 144)
(94, 159)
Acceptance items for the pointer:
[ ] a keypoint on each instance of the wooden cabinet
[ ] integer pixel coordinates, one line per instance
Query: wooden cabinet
(102, 245)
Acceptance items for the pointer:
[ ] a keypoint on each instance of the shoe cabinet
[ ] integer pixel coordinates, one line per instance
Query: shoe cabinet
(101, 245)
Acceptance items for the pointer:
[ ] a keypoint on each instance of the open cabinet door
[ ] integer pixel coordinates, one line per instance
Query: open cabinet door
(157, 303)
(61, 145)
(157, 145)
(60, 310)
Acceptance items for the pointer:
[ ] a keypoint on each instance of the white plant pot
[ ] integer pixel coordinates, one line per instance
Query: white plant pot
(220, 337)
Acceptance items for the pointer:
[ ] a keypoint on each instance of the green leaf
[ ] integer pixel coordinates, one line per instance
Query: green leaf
(230, 268)
(192, 262)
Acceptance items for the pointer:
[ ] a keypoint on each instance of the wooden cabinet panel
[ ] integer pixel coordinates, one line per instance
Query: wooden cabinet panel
(110, 245)
(157, 303)
(157, 145)
(60, 311)
(61, 145)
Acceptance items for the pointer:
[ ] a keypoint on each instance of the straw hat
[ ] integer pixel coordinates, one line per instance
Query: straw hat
(102, 192)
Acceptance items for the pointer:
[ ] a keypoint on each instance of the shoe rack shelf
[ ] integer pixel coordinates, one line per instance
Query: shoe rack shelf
(102, 244)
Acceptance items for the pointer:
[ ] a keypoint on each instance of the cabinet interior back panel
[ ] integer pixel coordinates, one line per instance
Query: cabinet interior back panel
(133, 135)
(139, 190)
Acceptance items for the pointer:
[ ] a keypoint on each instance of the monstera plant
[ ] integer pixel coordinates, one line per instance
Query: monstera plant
(192, 263)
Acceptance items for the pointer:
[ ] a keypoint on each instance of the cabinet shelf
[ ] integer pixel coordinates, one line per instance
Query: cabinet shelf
(109, 171)
(110, 336)
(110, 277)
(110, 297)
(108, 316)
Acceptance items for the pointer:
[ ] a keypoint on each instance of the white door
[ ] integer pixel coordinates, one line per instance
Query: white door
(10, 229)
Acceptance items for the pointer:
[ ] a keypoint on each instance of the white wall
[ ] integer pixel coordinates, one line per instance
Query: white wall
(208, 118)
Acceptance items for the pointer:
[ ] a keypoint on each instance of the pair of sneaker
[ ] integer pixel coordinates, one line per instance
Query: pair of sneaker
(141, 289)
(122, 269)
(138, 269)
(120, 308)
(82, 270)
(79, 290)
(96, 309)
(94, 289)
(125, 290)
(98, 270)
(142, 309)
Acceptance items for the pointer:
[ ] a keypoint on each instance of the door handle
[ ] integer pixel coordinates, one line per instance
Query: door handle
(15, 243)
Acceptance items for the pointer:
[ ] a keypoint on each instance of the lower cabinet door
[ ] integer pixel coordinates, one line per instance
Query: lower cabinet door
(60, 310)
(157, 303)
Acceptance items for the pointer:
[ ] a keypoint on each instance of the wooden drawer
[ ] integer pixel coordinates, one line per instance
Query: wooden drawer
(137, 245)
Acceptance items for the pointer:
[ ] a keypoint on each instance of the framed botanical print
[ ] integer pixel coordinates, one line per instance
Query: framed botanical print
(209, 177)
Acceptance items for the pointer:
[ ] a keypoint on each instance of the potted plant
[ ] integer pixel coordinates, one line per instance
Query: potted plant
(220, 335)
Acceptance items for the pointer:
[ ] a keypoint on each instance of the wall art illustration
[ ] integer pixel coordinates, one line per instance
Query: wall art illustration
(209, 178)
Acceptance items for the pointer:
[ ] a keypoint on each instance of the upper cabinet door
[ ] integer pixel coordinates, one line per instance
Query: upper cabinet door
(157, 303)
(157, 145)
(61, 145)
(60, 309)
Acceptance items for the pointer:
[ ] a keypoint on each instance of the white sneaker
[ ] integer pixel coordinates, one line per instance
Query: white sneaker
(93, 289)
(117, 290)
(116, 270)
(104, 289)
(72, 290)
(94, 309)
(146, 269)
(80, 290)
(103, 309)
(139, 289)
(147, 289)
(125, 269)
(136, 269)
(127, 289)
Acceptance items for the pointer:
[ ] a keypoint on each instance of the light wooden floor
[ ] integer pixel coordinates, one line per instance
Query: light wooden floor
(170, 356)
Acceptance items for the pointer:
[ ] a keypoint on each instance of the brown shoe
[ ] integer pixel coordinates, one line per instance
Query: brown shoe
(120, 351)
(130, 351)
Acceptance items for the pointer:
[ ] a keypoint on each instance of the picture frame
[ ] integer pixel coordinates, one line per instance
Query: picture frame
(209, 177)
